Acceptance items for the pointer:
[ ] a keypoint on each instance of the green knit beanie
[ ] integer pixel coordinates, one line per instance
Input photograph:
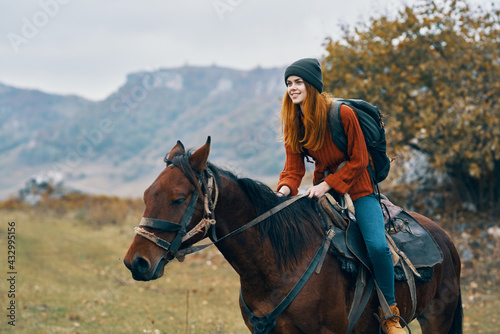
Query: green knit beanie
(309, 70)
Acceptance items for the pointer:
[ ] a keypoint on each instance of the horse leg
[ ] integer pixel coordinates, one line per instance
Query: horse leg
(440, 299)
(444, 313)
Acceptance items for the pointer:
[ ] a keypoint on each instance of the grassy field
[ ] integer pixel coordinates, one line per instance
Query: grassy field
(71, 279)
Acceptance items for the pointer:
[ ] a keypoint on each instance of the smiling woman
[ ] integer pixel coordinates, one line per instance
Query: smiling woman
(296, 89)
(305, 125)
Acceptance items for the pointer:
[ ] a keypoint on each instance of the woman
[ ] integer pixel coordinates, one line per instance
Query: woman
(304, 117)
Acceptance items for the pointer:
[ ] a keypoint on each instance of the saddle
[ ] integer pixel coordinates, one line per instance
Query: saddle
(410, 242)
(414, 250)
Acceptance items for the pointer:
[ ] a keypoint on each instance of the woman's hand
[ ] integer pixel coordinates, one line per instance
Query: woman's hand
(284, 191)
(318, 190)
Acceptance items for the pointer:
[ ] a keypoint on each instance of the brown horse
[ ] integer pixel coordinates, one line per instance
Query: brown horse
(271, 256)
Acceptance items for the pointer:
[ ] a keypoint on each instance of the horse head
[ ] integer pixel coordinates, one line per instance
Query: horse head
(176, 201)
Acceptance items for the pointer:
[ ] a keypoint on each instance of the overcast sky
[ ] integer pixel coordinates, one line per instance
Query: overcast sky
(86, 47)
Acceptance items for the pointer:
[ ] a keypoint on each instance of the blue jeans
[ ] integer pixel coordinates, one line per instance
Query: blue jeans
(371, 223)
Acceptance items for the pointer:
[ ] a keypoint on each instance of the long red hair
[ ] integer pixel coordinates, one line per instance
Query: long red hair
(309, 133)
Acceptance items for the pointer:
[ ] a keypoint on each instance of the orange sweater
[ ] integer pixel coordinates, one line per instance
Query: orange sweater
(353, 177)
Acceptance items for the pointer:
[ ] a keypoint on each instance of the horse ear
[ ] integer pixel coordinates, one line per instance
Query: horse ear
(178, 149)
(199, 158)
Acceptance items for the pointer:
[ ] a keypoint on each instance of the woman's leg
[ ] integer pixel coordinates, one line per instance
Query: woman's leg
(371, 223)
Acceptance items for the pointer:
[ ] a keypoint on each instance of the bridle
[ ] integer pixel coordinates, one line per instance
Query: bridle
(208, 186)
(262, 324)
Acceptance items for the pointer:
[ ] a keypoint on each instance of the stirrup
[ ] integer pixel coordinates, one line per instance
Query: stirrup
(386, 310)
(387, 318)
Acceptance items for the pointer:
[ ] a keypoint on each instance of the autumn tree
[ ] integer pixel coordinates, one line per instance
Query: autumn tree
(435, 69)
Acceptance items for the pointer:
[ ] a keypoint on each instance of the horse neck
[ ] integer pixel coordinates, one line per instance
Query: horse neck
(251, 257)
(244, 251)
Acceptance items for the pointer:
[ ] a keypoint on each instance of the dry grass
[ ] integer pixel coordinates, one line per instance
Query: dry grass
(71, 278)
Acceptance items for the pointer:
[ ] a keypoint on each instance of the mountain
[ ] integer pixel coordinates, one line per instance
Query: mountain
(116, 146)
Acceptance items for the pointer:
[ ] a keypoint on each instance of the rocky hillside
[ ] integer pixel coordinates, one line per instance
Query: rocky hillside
(116, 146)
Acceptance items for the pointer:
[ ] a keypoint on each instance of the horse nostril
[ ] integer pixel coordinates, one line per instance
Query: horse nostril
(141, 265)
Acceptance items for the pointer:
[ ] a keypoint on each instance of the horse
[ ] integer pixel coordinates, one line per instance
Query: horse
(192, 199)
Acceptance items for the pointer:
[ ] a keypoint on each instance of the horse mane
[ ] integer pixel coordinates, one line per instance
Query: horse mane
(290, 230)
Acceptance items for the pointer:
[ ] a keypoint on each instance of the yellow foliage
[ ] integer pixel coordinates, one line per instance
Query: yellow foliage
(435, 67)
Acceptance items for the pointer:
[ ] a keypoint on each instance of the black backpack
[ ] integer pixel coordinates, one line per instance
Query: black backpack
(370, 120)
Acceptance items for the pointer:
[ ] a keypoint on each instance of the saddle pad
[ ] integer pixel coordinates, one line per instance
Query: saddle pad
(416, 242)
(410, 237)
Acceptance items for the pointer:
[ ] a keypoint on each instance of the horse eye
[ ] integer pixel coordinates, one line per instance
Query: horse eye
(178, 201)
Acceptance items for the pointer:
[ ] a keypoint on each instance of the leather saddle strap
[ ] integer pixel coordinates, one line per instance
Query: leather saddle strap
(362, 294)
(329, 238)
(401, 254)
(409, 271)
(383, 302)
(410, 279)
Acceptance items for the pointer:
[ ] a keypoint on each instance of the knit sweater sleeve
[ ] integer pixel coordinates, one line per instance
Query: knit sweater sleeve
(293, 172)
(357, 153)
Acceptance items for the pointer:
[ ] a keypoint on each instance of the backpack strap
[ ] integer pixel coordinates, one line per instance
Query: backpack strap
(337, 131)
(339, 137)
